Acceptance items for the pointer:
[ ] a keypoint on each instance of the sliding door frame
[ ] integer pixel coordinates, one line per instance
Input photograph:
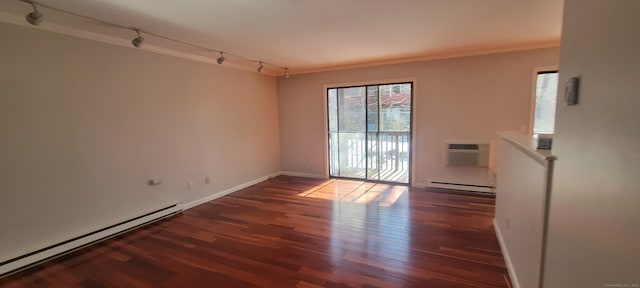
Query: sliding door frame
(412, 132)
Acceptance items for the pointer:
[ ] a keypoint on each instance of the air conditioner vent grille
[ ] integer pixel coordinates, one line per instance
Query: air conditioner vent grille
(469, 153)
(463, 146)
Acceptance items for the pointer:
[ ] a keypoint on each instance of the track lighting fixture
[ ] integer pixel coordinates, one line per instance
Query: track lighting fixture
(137, 42)
(34, 18)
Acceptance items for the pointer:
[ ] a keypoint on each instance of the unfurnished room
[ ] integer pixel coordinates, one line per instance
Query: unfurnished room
(337, 143)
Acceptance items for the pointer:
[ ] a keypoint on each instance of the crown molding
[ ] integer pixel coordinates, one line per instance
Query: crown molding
(56, 28)
(436, 56)
(60, 29)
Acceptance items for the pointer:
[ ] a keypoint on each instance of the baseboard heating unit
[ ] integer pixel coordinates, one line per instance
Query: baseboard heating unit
(65, 247)
(461, 187)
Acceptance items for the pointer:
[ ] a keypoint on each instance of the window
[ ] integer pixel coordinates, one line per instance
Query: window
(546, 94)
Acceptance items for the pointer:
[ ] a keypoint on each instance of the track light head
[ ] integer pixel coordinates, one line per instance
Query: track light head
(137, 42)
(221, 58)
(261, 67)
(34, 18)
(286, 73)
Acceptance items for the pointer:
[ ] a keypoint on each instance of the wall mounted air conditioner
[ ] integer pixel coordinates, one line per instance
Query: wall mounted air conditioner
(468, 160)
(467, 153)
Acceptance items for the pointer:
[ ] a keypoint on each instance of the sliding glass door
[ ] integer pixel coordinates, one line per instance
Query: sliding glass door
(370, 131)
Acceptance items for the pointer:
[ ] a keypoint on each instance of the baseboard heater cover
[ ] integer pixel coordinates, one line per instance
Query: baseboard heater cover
(460, 186)
(31, 259)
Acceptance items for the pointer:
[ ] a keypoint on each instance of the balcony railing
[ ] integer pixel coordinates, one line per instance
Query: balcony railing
(382, 156)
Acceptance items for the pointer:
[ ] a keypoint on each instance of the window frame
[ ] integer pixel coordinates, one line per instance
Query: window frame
(327, 88)
(414, 124)
(532, 101)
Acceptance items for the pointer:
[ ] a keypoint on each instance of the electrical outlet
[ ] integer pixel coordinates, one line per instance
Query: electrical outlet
(189, 184)
(154, 182)
(207, 180)
(507, 223)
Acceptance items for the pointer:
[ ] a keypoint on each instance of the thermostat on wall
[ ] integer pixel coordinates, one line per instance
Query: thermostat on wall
(571, 91)
(545, 141)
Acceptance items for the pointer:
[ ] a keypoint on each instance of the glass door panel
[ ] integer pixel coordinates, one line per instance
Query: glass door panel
(373, 111)
(332, 115)
(395, 128)
(351, 132)
(369, 132)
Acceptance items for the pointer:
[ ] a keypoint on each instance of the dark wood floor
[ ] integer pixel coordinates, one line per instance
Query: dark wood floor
(298, 232)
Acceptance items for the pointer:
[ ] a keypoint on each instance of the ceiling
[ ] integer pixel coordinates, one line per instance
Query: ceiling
(313, 35)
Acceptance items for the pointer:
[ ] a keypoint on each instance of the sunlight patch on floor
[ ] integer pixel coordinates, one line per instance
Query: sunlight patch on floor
(357, 192)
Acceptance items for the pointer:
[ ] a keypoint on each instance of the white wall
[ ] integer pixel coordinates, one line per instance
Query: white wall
(521, 198)
(594, 219)
(461, 98)
(84, 125)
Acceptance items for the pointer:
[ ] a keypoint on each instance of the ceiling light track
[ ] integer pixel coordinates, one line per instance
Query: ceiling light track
(35, 18)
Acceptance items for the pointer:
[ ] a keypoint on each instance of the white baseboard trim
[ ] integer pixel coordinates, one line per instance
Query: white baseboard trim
(225, 192)
(22, 262)
(300, 174)
(505, 253)
(460, 187)
(419, 185)
(56, 250)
